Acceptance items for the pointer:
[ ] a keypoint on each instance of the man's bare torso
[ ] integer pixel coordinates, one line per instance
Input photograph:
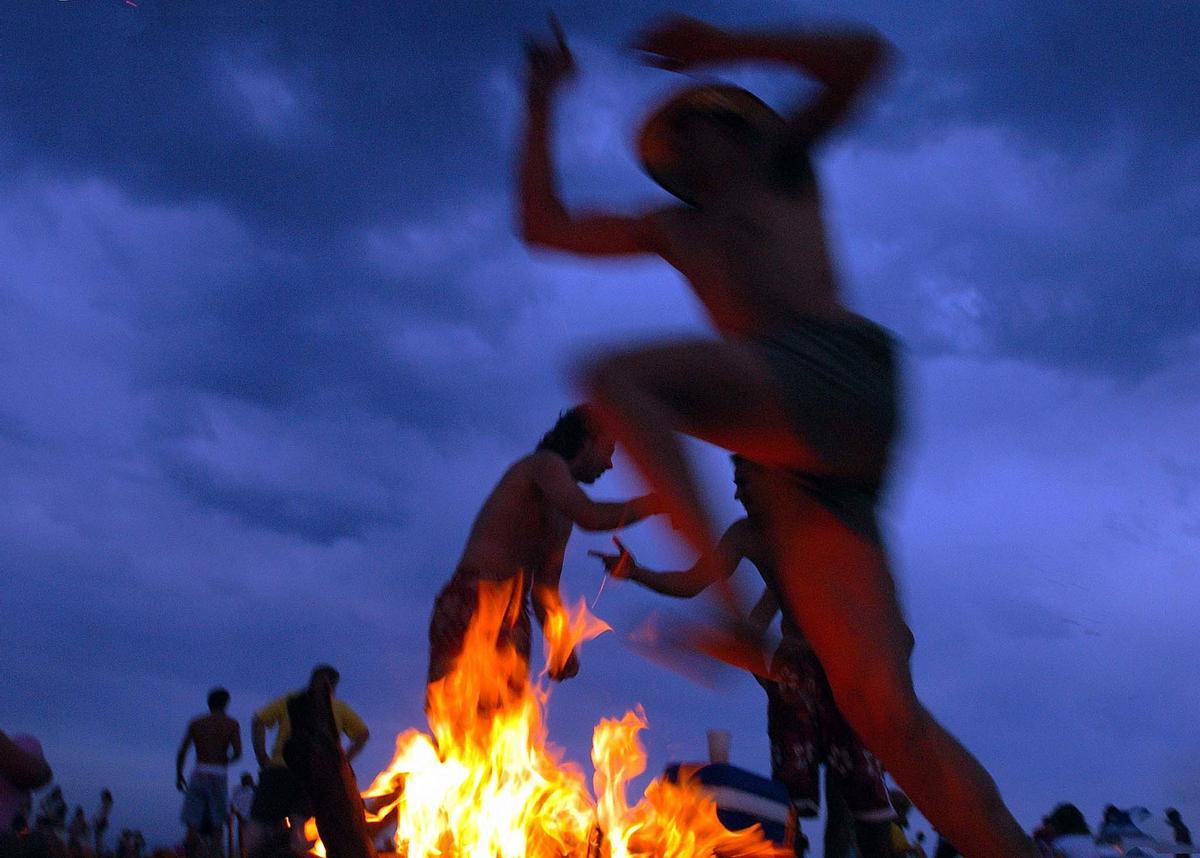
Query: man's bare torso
(756, 264)
(516, 530)
(213, 735)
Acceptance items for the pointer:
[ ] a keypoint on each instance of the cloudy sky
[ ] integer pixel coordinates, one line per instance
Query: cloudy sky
(268, 338)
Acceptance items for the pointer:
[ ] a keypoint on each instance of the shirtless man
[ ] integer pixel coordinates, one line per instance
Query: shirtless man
(797, 381)
(217, 739)
(520, 535)
(804, 725)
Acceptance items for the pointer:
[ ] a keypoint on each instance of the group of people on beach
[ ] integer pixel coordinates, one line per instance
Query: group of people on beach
(49, 824)
(277, 807)
(804, 393)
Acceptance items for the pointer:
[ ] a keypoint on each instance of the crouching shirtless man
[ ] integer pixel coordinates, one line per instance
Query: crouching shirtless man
(517, 542)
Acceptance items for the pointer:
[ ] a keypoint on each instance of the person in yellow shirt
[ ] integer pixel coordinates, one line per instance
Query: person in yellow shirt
(280, 793)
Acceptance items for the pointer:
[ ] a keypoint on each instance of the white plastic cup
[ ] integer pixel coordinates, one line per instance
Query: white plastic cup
(718, 745)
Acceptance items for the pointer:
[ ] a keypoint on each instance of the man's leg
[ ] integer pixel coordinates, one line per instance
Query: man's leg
(836, 585)
(714, 391)
(839, 826)
(838, 588)
(193, 815)
(267, 811)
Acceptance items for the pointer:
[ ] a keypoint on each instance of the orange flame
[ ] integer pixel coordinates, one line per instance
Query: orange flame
(487, 784)
(565, 630)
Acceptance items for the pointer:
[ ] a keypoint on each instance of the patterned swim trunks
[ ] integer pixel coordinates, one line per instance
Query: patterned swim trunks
(454, 609)
(806, 729)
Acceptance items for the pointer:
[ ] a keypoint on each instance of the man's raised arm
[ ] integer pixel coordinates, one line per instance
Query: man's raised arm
(181, 758)
(235, 743)
(258, 740)
(545, 221)
(842, 61)
(354, 728)
(554, 479)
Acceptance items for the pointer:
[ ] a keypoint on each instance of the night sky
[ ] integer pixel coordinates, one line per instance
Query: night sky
(268, 337)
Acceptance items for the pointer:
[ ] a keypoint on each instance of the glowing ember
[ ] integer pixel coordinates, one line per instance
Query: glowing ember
(487, 784)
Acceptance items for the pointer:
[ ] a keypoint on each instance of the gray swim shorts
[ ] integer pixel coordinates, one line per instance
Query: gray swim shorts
(841, 386)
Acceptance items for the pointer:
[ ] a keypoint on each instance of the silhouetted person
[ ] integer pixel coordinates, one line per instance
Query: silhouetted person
(901, 847)
(131, 844)
(803, 722)
(217, 740)
(100, 820)
(1072, 837)
(945, 849)
(919, 846)
(797, 381)
(240, 803)
(52, 814)
(1182, 833)
(518, 539)
(23, 768)
(280, 793)
(1114, 824)
(79, 833)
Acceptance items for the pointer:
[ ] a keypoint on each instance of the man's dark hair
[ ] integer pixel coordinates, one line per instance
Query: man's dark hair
(572, 430)
(328, 671)
(218, 699)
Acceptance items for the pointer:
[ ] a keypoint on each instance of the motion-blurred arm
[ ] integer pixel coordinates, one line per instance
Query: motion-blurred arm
(554, 479)
(842, 61)
(544, 219)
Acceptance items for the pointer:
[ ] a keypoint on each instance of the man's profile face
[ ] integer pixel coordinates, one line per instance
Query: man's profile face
(748, 489)
(594, 459)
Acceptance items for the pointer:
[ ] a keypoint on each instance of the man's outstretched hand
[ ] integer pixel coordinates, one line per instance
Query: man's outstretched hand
(678, 43)
(620, 565)
(549, 63)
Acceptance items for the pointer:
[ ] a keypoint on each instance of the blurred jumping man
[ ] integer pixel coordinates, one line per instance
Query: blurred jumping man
(797, 381)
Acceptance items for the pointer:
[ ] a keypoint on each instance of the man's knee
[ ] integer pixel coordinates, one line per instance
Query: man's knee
(882, 707)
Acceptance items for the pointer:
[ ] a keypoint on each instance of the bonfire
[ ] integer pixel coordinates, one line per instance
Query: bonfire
(486, 783)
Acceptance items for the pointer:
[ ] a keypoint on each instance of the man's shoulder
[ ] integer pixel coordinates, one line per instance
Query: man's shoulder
(341, 705)
(279, 704)
(541, 459)
(352, 722)
(541, 463)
